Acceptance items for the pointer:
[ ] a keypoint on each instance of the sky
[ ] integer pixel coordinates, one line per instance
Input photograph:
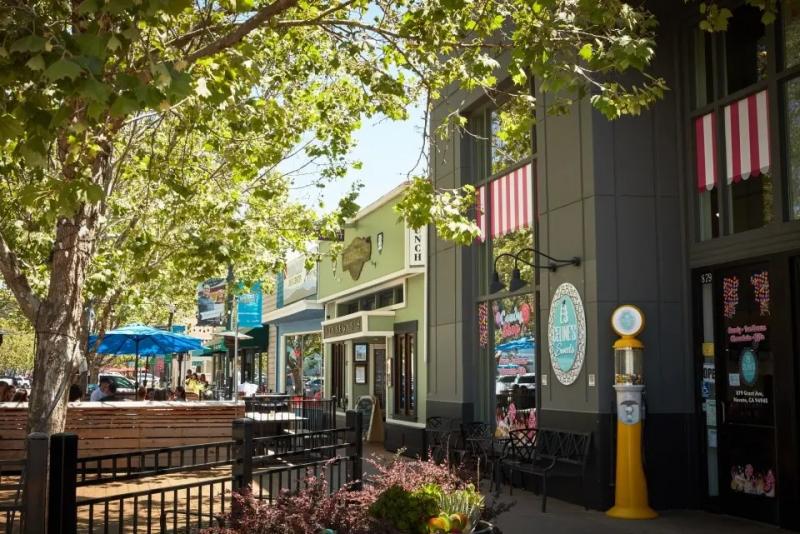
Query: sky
(388, 151)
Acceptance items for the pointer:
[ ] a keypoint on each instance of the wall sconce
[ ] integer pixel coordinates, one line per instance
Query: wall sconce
(517, 282)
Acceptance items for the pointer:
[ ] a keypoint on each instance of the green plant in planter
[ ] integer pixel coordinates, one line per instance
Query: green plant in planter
(460, 511)
(406, 511)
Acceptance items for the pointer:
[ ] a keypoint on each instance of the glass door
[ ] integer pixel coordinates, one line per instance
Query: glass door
(745, 401)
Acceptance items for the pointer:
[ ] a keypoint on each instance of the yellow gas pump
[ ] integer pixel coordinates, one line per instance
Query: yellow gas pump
(631, 500)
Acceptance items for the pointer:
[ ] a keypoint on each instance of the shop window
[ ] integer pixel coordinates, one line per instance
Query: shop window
(791, 33)
(751, 203)
(304, 365)
(404, 374)
(792, 111)
(702, 68)
(745, 49)
(513, 353)
(337, 374)
(511, 138)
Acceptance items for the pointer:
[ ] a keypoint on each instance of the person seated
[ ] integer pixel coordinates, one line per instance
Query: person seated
(112, 393)
(3, 391)
(75, 393)
(20, 396)
(141, 393)
(180, 393)
(151, 394)
(203, 379)
(102, 391)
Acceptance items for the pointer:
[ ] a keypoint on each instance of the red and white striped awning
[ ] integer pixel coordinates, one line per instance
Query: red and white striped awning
(705, 135)
(747, 137)
(511, 200)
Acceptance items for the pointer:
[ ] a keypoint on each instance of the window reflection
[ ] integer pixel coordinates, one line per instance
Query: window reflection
(751, 202)
(745, 48)
(793, 145)
(791, 33)
(305, 373)
(511, 137)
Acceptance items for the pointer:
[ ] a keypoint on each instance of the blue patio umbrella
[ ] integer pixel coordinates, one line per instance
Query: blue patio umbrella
(141, 340)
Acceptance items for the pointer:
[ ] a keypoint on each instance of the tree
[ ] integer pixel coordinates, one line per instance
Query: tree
(16, 350)
(85, 84)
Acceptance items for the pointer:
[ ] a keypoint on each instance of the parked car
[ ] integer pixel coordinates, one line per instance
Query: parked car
(23, 382)
(152, 381)
(125, 386)
(11, 381)
(504, 383)
(527, 380)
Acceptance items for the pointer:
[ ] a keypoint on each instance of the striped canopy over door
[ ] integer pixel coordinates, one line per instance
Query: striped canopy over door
(511, 199)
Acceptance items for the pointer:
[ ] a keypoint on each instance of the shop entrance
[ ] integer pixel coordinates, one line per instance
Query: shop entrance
(744, 346)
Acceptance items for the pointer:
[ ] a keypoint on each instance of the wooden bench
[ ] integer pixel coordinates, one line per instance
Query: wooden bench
(547, 453)
(113, 427)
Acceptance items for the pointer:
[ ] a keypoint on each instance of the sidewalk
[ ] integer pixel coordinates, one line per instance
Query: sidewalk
(565, 518)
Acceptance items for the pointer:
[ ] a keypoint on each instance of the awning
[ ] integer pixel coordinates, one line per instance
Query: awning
(747, 137)
(304, 310)
(747, 142)
(511, 200)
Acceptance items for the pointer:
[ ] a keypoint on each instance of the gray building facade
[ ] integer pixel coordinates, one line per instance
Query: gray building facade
(623, 197)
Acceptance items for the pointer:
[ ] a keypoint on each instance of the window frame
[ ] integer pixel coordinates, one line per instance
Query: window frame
(775, 83)
(405, 382)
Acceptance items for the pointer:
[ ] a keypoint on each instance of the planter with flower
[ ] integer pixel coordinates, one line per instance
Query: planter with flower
(404, 497)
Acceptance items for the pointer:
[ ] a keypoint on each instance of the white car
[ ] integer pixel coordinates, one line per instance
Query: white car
(125, 387)
(152, 381)
(504, 383)
(528, 380)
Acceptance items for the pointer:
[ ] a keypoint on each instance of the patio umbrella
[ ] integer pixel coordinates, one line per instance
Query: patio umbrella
(141, 340)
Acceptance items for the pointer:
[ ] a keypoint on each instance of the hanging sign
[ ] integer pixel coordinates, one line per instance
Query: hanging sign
(417, 246)
(566, 331)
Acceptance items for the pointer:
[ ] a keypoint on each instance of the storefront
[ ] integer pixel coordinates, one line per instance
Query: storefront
(690, 212)
(299, 366)
(374, 328)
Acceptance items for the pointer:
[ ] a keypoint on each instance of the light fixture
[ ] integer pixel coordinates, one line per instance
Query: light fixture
(517, 282)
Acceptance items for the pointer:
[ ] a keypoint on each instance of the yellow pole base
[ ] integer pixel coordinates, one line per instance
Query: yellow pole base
(631, 500)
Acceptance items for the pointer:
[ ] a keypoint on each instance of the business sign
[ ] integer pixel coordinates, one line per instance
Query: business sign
(249, 307)
(355, 255)
(211, 302)
(343, 328)
(298, 283)
(566, 331)
(417, 246)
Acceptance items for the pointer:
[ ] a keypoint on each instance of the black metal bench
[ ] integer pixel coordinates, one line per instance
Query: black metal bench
(553, 453)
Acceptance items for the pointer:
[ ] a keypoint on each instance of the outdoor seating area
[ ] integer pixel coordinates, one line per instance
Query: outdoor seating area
(112, 427)
(538, 453)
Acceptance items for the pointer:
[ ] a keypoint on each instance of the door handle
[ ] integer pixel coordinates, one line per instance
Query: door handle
(722, 406)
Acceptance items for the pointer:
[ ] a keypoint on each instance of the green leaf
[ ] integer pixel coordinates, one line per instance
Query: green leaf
(114, 43)
(63, 68)
(31, 43)
(123, 106)
(93, 90)
(92, 44)
(174, 7)
(10, 127)
(36, 62)
(586, 51)
(115, 7)
(88, 7)
(94, 193)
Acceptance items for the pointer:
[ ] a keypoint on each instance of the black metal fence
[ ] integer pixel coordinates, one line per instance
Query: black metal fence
(176, 489)
(281, 414)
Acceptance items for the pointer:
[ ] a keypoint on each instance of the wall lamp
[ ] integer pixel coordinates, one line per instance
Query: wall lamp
(517, 282)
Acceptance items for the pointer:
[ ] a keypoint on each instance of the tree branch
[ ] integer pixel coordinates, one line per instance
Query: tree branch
(17, 282)
(241, 31)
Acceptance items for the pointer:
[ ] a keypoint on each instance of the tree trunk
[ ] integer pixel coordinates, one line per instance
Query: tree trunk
(59, 323)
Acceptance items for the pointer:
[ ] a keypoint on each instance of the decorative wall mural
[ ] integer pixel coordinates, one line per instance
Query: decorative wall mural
(730, 295)
(760, 282)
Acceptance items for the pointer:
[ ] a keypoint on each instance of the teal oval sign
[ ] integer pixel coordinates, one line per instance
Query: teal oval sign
(565, 335)
(748, 367)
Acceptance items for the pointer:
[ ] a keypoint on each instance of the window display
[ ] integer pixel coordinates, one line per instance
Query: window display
(305, 373)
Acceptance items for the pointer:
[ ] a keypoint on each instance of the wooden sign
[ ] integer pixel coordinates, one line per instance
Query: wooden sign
(357, 253)
(372, 418)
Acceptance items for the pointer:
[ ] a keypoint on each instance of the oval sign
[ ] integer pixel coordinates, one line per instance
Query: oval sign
(566, 333)
(748, 367)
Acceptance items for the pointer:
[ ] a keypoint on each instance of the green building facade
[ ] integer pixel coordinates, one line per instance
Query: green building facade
(374, 296)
